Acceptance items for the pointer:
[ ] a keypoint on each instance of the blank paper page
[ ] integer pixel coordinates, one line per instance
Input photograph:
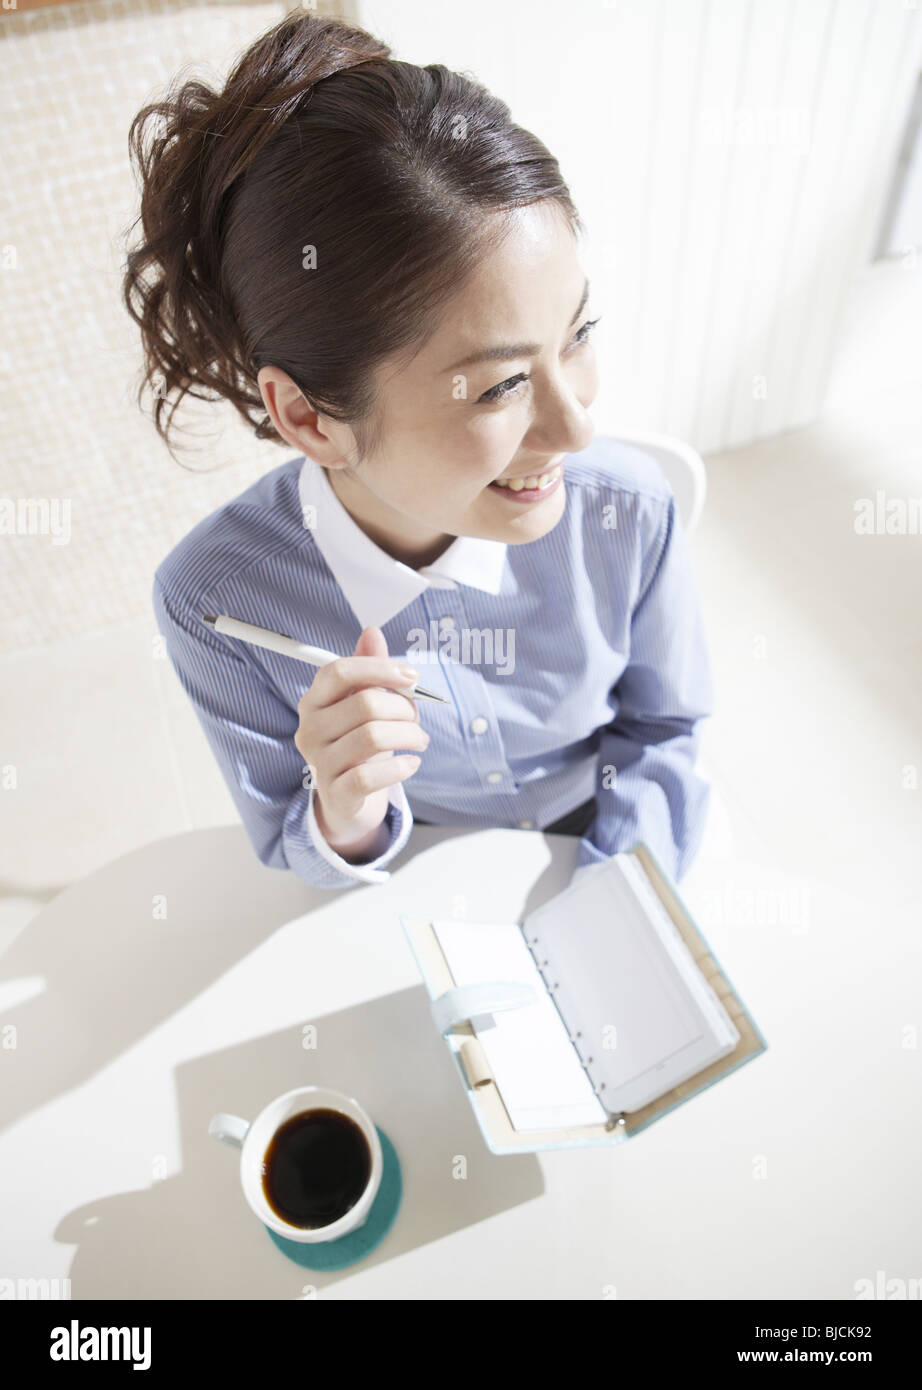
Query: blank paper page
(622, 989)
(539, 1075)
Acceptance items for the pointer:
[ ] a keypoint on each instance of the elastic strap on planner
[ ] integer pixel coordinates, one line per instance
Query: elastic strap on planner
(465, 1002)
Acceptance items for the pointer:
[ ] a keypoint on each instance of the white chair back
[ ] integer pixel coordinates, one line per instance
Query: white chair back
(684, 469)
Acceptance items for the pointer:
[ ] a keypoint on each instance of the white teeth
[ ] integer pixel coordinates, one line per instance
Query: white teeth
(533, 481)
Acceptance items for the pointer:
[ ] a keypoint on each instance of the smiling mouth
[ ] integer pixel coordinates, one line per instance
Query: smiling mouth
(534, 482)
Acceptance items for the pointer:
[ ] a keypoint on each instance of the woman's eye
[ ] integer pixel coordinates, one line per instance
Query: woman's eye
(591, 323)
(507, 387)
(504, 388)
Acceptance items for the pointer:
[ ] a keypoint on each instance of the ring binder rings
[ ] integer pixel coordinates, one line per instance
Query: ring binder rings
(572, 957)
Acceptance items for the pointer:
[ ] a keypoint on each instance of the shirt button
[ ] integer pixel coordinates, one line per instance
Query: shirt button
(494, 776)
(479, 725)
(446, 622)
(526, 825)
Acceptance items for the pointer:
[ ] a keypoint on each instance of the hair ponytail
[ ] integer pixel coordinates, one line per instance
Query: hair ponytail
(318, 137)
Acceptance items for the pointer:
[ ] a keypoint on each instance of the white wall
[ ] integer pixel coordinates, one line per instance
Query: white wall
(901, 230)
(731, 159)
(71, 436)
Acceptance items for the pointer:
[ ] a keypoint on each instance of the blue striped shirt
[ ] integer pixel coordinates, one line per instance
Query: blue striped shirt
(575, 665)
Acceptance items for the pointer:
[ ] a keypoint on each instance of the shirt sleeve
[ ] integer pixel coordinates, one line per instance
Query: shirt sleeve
(647, 788)
(251, 733)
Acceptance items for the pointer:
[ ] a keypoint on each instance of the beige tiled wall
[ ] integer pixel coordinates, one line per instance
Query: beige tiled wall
(108, 500)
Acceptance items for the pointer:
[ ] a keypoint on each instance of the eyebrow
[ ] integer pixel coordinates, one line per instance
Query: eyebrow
(504, 352)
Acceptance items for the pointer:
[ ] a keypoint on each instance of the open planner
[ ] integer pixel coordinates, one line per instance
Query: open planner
(600, 1012)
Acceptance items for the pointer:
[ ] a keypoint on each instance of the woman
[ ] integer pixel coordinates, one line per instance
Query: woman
(380, 271)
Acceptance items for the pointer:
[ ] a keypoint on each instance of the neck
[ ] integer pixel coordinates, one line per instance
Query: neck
(397, 535)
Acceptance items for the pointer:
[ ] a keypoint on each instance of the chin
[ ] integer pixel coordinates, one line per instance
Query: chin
(534, 522)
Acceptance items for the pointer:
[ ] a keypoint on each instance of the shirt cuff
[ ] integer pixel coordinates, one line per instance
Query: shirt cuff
(399, 821)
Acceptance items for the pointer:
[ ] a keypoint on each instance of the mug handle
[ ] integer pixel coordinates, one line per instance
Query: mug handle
(230, 1128)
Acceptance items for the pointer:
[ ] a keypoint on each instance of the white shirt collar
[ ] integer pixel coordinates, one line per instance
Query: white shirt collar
(377, 586)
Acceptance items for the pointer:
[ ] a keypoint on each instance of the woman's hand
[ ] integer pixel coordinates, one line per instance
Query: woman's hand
(348, 734)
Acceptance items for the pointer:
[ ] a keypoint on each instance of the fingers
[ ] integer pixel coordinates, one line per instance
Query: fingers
(365, 778)
(347, 673)
(371, 643)
(361, 707)
(368, 740)
(354, 717)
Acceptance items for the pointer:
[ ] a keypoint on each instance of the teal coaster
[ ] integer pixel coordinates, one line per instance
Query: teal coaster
(336, 1254)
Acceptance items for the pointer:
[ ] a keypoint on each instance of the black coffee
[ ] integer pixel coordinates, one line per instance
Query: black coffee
(316, 1168)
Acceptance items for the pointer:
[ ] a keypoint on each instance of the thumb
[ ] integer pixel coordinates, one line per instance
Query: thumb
(371, 643)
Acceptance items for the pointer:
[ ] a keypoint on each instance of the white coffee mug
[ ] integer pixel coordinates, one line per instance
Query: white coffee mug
(253, 1140)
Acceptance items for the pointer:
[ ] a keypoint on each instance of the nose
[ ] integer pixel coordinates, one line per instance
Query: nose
(562, 425)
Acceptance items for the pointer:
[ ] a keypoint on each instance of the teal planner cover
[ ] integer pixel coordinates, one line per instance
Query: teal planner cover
(454, 1008)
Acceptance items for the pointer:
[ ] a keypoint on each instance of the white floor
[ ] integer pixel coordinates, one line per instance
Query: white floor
(814, 752)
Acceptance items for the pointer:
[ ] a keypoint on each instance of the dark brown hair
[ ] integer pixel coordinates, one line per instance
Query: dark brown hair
(319, 139)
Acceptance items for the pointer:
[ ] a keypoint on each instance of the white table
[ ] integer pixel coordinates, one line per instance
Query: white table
(793, 1177)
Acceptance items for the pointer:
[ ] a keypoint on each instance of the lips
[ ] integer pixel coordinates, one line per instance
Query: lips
(523, 495)
(531, 482)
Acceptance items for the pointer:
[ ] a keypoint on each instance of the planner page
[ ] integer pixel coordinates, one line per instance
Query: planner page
(721, 1023)
(539, 1075)
(628, 986)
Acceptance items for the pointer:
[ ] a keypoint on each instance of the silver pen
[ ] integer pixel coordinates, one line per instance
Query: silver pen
(288, 646)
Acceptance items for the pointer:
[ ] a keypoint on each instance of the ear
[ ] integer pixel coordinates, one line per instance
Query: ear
(308, 430)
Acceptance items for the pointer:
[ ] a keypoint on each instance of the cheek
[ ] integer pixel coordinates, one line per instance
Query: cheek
(588, 387)
(449, 477)
(487, 448)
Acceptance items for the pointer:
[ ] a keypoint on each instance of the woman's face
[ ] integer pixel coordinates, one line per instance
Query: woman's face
(453, 420)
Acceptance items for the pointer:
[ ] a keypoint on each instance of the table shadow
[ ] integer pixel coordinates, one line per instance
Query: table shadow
(131, 944)
(193, 1235)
